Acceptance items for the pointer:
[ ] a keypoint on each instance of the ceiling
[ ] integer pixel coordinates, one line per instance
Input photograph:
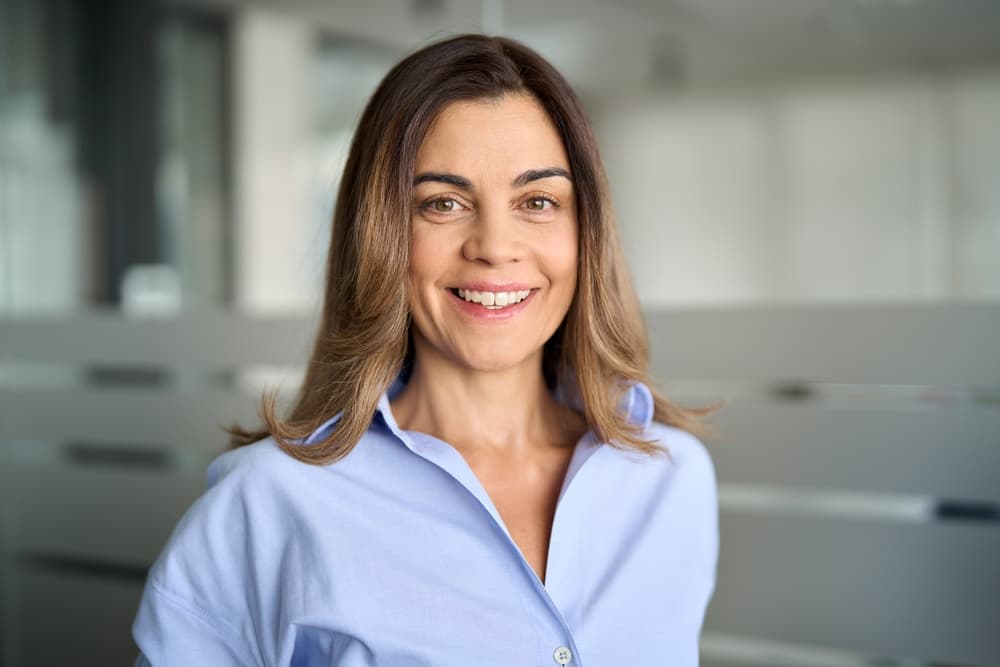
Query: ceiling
(671, 43)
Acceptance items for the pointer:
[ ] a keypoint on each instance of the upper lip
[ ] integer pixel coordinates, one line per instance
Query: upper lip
(484, 286)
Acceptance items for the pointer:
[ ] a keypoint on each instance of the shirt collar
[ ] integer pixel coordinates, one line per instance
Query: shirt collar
(637, 403)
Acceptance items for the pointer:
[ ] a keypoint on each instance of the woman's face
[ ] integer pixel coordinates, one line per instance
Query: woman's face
(493, 258)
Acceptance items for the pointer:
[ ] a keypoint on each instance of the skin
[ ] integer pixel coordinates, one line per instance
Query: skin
(490, 206)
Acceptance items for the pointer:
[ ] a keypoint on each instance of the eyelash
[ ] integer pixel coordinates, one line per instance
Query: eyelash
(428, 206)
(544, 198)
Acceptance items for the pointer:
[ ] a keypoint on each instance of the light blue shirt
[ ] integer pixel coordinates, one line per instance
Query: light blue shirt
(395, 556)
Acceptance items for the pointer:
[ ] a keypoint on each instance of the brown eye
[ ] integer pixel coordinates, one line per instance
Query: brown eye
(537, 203)
(443, 205)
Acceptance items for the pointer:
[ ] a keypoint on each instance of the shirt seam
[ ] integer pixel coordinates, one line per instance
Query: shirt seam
(223, 631)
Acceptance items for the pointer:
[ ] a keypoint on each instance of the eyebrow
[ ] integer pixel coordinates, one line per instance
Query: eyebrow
(539, 174)
(437, 177)
(465, 184)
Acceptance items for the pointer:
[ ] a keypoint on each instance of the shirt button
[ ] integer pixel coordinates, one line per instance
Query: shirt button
(562, 655)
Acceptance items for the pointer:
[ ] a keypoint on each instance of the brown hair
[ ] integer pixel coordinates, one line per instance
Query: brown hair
(363, 338)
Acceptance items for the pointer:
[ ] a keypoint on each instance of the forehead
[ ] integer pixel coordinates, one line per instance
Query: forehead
(511, 133)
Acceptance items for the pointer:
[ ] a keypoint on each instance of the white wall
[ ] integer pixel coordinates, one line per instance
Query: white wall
(847, 189)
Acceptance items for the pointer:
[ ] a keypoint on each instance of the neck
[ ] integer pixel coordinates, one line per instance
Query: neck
(509, 411)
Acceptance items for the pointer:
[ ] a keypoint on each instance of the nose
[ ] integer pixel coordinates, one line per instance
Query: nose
(493, 237)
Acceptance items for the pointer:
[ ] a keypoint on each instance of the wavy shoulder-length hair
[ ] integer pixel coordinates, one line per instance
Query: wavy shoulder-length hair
(363, 342)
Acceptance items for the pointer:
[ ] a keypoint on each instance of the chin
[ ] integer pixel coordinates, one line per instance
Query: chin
(492, 361)
(492, 365)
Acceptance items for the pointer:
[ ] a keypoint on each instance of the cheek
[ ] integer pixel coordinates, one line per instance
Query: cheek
(420, 278)
(426, 254)
(564, 259)
(418, 256)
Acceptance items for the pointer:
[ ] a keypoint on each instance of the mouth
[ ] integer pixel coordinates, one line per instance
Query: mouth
(492, 300)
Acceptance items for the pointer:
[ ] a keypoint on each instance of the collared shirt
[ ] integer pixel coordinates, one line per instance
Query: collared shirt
(395, 556)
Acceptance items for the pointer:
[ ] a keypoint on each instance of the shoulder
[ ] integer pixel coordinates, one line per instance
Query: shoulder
(248, 537)
(690, 483)
(197, 590)
(241, 518)
(215, 522)
(676, 495)
(236, 467)
(682, 450)
(682, 472)
(689, 465)
(680, 482)
(682, 455)
(256, 473)
(246, 512)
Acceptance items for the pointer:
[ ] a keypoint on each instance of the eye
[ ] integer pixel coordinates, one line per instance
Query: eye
(442, 205)
(539, 204)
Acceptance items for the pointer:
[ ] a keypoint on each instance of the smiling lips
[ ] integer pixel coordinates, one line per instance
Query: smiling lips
(493, 300)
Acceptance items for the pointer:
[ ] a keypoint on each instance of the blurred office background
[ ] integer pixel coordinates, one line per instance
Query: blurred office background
(809, 194)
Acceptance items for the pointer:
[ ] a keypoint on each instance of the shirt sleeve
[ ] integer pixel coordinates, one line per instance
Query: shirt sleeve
(194, 608)
(171, 632)
(705, 506)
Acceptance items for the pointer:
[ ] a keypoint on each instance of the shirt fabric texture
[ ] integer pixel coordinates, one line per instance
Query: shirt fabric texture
(395, 556)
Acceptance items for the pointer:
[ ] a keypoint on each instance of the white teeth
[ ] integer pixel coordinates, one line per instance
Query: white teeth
(494, 300)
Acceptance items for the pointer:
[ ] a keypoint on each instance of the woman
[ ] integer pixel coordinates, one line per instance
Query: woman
(476, 471)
